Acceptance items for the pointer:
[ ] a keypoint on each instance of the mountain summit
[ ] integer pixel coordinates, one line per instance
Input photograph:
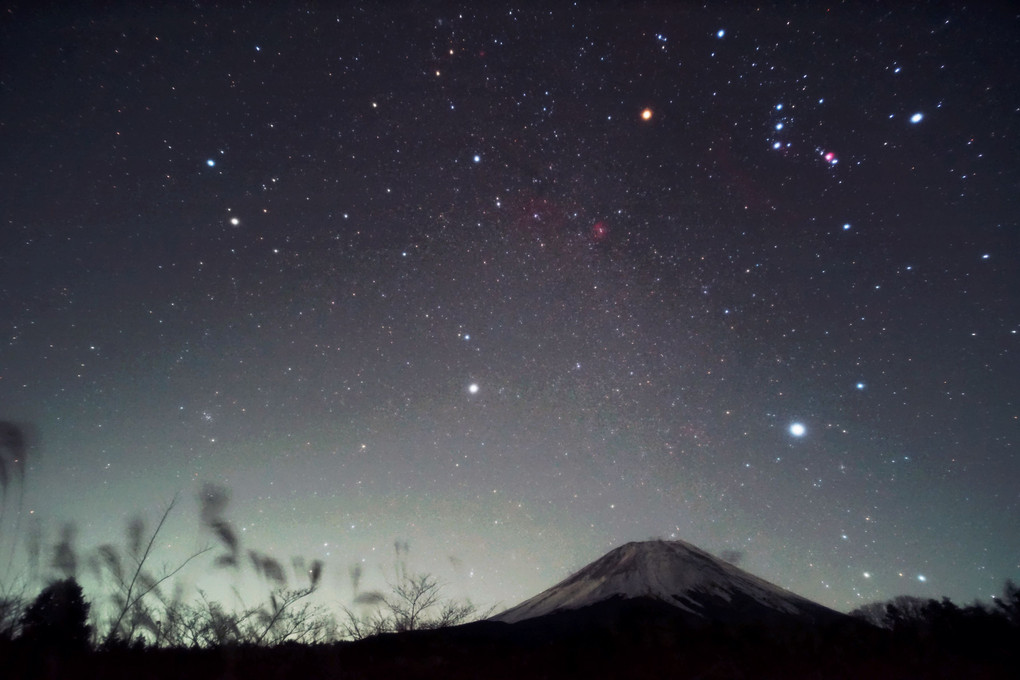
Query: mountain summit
(701, 586)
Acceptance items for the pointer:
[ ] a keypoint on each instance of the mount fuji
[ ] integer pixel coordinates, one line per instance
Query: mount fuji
(666, 609)
(701, 589)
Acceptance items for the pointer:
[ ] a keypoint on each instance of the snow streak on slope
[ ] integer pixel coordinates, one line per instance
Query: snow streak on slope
(674, 572)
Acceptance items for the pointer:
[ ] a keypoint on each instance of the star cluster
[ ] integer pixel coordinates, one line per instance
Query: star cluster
(518, 286)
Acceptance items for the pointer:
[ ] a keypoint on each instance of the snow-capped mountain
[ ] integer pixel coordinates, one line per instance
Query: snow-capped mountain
(679, 574)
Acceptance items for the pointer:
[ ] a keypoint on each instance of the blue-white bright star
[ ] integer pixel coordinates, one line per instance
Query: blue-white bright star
(798, 429)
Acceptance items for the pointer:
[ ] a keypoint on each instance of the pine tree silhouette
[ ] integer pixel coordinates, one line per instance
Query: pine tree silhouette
(58, 617)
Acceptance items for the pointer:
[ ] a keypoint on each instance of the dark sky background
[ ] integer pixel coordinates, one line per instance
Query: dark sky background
(428, 274)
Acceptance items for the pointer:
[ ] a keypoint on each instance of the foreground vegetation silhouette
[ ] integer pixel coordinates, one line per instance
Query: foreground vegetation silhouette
(138, 607)
(140, 622)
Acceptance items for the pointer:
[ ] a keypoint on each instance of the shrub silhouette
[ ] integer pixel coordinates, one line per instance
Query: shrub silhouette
(57, 619)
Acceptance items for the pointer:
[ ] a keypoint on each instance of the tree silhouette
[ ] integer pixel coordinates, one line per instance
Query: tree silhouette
(57, 619)
(415, 602)
(12, 608)
(1009, 603)
(14, 444)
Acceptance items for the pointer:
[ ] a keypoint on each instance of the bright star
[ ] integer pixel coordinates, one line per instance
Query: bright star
(798, 429)
(917, 118)
(211, 163)
(720, 33)
(473, 388)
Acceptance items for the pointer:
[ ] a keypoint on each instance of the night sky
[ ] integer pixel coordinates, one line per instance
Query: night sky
(516, 286)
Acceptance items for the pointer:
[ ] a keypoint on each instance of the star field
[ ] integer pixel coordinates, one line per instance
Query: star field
(518, 286)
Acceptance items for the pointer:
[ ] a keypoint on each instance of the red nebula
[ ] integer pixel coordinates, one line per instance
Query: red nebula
(599, 231)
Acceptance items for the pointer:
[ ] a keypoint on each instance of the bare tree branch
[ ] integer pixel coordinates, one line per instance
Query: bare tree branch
(141, 583)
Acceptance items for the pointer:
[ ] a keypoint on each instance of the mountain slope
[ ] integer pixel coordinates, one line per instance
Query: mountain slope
(676, 573)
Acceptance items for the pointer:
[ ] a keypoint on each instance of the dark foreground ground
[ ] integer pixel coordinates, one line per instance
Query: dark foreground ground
(628, 642)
